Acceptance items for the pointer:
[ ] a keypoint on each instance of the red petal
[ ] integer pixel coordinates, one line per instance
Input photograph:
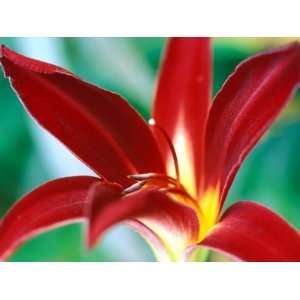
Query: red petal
(152, 238)
(53, 204)
(182, 100)
(170, 223)
(251, 232)
(244, 109)
(97, 125)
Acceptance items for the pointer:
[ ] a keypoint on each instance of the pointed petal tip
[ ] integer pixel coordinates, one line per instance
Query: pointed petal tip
(5, 51)
(98, 191)
(31, 64)
(89, 241)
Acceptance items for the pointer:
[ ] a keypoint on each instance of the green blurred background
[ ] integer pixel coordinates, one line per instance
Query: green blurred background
(29, 156)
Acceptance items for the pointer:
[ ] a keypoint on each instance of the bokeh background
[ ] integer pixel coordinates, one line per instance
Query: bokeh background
(29, 156)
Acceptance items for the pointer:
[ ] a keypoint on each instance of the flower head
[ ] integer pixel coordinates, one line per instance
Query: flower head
(167, 179)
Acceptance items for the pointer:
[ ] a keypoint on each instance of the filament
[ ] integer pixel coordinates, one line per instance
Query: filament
(169, 142)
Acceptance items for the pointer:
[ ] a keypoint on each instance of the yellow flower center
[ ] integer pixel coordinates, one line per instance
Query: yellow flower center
(206, 208)
(180, 184)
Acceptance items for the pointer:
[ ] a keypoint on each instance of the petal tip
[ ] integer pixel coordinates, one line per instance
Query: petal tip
(3, 51)
(31, 64)
(89, 241)
(92, 238)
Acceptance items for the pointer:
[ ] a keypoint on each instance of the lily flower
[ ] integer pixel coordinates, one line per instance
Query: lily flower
(168, 179)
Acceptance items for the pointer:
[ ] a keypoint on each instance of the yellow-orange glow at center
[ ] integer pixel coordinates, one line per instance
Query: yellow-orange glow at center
(185, 162)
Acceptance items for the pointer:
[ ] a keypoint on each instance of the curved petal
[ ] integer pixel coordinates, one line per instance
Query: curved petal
(162, 221)
(251, 232)
(97, 125)
(182, 102)
(53, 204)
(244, 108)
(153, 239)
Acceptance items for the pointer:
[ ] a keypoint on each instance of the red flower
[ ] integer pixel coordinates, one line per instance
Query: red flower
(167, 180)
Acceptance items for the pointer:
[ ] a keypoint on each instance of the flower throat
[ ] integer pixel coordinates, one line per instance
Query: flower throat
(163, 182)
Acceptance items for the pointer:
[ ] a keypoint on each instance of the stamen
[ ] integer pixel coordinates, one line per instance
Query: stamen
(169, 142)
(134, 187)
(148, 176)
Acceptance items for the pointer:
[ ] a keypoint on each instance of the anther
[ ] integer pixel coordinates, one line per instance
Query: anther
(135, 187)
